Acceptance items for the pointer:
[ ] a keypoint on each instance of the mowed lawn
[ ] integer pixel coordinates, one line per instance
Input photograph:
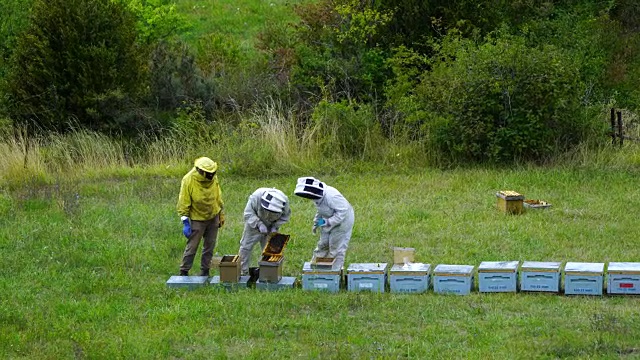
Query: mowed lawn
(84, 267)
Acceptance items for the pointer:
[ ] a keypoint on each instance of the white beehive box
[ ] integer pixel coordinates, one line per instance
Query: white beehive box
(243, 283)
(286, 282)
(322, 279)
(366, 277)
(455, 279)
(540, 276)
(498, 276)
(187, 282)
(409, 278)
(623, 278)
(583, 278)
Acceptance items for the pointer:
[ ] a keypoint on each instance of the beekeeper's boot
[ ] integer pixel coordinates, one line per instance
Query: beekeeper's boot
(184, 273)
(204, 272)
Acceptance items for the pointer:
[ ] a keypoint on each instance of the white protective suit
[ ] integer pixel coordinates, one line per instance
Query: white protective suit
(338, 214)
(257, 216)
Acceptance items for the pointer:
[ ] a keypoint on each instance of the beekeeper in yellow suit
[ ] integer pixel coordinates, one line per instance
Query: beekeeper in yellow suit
(200, 207)
(267, 209)
(334, 218)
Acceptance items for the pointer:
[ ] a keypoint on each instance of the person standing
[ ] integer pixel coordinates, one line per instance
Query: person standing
(334, 217)
(267, 209)
(200, 208)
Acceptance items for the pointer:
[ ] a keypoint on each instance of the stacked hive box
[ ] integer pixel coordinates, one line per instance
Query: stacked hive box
(270, 273)
(510, 202)
(321, 274)
(455, 279)
(540, 276)
(583, 278)
(623, 278)
(498, 276)
(366, 277)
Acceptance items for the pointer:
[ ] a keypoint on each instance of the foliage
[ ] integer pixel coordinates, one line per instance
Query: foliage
(75, 64)
(337, 53)
(346, 129)
(156, 20)
(503, 101)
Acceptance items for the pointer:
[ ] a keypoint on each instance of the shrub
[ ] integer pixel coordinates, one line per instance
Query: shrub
(75, 58)
(503, 101)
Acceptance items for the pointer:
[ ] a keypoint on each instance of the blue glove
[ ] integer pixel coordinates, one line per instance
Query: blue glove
(186, 230)
(320, 222)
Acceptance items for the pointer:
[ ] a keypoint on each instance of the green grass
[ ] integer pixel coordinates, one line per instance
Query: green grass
(84, 266)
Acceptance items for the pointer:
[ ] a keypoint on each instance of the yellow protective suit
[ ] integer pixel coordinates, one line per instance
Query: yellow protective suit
(200, 199)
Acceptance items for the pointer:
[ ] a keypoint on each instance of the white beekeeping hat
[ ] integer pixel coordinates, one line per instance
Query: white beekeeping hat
(274, 200)
(310, 188)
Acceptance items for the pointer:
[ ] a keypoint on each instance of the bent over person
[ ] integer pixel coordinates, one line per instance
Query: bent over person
(200, 207)
(334, 217)
(266, 210)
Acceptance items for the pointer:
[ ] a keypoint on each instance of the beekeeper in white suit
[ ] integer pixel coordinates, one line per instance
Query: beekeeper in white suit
(266, 210)
(334, 218)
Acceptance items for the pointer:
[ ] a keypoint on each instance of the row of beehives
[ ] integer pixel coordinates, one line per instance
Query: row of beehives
(508, 276)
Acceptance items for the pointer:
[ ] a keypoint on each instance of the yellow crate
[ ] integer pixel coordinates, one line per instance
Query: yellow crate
(510, 202)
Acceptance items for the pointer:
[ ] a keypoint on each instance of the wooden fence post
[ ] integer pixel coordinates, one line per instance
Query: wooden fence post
(613, 126)
(620, 132)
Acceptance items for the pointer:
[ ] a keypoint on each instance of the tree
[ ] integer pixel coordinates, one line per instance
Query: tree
(76, 64)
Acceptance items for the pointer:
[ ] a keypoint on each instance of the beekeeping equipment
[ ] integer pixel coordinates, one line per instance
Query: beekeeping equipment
(583, 278)
(366, 277)
(455, 279)
(403, 255)
(229, 268)
(321, 277)
(510, 202)
(286, 282)
(498, 276)
(623, 278)
(272, 258)
(242, 283)
(187, 282)
(536, 204)
(540, 276)
(409, 278)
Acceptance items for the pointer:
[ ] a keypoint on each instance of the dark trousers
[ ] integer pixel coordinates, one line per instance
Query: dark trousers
(199, 230)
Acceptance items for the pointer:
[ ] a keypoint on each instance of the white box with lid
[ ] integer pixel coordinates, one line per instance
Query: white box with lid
(286, 282)
(243, 283)
(187, 282)
(541, 276)
(498, 276)
(320, 278)
(455, 279)
(583, 278)
(623, 278)
(367, 277)
(409, 278)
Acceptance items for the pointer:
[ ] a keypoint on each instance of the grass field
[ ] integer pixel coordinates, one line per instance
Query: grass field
(84, 267)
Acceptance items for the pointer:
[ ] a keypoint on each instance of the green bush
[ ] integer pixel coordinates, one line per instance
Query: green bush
(503, 101)
(74, 61)
(346, 130)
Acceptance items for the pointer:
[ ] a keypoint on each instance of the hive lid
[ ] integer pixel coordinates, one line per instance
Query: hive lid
(367, 267)
(499, 265)
(411, 267)
(510, 195)
(623, 266)
(310, 267)
(276, 243)
(544, 265)
(584, 267)
(454, 269)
